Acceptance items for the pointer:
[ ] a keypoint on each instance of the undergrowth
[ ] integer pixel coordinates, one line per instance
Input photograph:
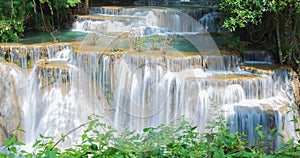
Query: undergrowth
(173, 140)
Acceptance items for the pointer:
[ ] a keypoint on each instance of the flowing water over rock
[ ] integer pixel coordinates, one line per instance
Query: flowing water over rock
(175, 2)
(126, 19)
(137, 79)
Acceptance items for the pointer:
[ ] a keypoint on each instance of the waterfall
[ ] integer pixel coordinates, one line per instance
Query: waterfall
(126, 18)
(135, 91)
(11, 85)
(210, 22)
(135, 80)
(261, 57)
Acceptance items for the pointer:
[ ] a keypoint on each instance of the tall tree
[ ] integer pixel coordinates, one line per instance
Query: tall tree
(86, 7)
(281, 16)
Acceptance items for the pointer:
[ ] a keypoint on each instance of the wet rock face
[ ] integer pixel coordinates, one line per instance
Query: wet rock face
(10, 102)
(175, 2)
(296, 79)
(26, 55)
(120, 2)
(150, 2)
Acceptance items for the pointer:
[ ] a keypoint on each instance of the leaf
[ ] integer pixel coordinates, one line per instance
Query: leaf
(294, 120)
(94, 147)
(84, 136)
(118, 140)
(193, 128)
(13, 149)
(135, 137)
(266, 156)
(19, 143)
(248, 150)
(52, 153)
(279, 134)
(91, 125)
(294, 154)
(261, 134)
(13, 139)
(7, 141)
(41, 136)
(243, 154)
(36, 143)
(146, 129)
(11, 155)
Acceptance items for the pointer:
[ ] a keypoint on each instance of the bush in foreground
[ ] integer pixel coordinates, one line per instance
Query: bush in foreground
(181, 140)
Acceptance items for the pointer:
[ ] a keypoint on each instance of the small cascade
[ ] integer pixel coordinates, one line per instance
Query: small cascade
(246, 115)
(221, 63)
(138, 98)
(116, 19)
(106, 10)
(102, 24)
(258, 57)
(156, 2)
(25, 56)
(182, 63)
(175, 2)
(50, 95)
(19, 93)
(62, 92)
(211, 22)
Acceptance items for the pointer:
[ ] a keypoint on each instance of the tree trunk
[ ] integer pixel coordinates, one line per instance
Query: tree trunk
(86, 7)
(295, 42)
(278, 39)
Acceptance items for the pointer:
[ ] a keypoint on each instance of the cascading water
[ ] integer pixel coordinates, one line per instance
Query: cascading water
(10, 102)
(127, 18)
(137, 82)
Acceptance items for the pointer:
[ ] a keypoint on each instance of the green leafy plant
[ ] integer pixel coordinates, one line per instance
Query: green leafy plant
(179, 139)
(14, 14)
(46, 15)
(160, 43)
(235, 44)
(12, 145)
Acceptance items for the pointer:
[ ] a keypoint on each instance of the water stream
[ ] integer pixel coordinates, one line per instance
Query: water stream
(52, 88)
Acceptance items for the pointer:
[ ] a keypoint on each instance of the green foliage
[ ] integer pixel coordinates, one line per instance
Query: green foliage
(50, 14)
(45, 14)
(173, 140)
(271, 21)
(234, 43)
(14, 13)
(152, 43)
(241, 12)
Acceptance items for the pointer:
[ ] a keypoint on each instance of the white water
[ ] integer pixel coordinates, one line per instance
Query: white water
(137, 90)
(128, 18)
